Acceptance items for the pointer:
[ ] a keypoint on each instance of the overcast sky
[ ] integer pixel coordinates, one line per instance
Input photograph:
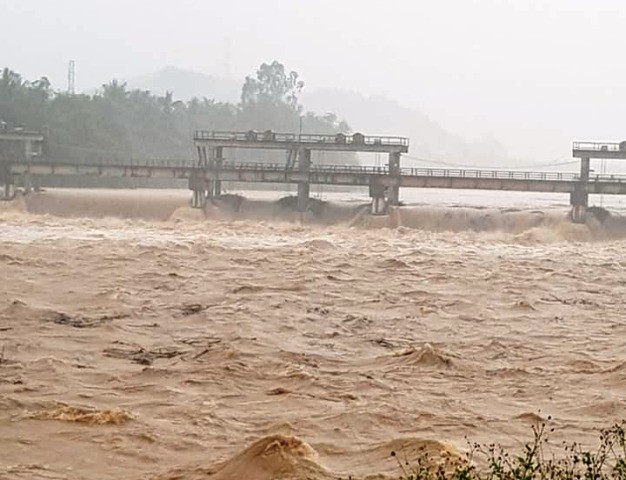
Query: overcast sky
(529, 73)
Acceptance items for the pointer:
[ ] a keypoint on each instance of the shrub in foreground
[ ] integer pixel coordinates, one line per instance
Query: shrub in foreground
(538, 460)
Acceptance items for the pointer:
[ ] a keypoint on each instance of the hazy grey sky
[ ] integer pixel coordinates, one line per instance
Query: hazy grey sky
(530, 73)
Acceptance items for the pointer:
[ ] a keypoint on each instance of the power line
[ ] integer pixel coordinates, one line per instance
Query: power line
(459, 165)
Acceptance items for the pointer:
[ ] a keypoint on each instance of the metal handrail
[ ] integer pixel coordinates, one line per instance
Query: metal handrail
(314, 168)
(269, 136)
(121, 162)
(414, 172)
(598, 146)
(495, 174)
(334, 169)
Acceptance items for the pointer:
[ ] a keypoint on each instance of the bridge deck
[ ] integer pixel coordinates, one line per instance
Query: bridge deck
(601, 150)
(336, 175)
(21, 136)
(290, 141)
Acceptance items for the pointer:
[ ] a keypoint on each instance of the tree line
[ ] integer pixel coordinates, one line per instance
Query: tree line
(117, 122)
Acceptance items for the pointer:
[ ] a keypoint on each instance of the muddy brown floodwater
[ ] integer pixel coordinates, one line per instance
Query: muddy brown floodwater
(226, 349)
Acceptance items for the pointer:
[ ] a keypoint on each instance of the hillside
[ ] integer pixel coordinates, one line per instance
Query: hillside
(187, 84)
(369, 114)
(381, 115)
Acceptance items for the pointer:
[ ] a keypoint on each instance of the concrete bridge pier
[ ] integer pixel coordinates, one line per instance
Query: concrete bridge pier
(379, 200)
(198, 199)
(198, 187)
(217, 188)
(203, 158)
(579, 214)
(209, 189)
(579, 198)
(217, 157)
(8, 191)
(6, 180)
(304, 188)
(394, 172)
(27, 183)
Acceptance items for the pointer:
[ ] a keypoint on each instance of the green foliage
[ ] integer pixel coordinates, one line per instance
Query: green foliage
(272, 86)
(123, 123)
(21, 100)
(536, 461)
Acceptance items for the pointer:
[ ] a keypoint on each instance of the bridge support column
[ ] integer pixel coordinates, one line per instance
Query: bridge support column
(304, 188)
(379, 201)
(198, 199)
(394, 172)
(217, 155)
(584, 169)
(198, 187)
(9, 190)
(203, 159)
(6, 180)
(209, 191)
(27, 183)
(579, 198)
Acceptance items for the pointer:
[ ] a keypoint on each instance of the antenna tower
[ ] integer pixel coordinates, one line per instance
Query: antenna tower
(71, 78)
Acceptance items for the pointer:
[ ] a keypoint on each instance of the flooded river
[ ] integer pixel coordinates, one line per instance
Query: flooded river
(252, 345)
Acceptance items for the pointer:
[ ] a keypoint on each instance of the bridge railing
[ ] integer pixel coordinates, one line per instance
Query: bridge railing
(294, 138)
(414, 172)
(281, 167)
(509, 175)
(426, 172)
(492, 174)
(335, 169)
(122, 162)
(598, 146)
(607, 178)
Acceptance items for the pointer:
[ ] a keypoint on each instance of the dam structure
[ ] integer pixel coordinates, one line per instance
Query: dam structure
(18, 147)
(298, 167)
(21, 157)
(585, 151)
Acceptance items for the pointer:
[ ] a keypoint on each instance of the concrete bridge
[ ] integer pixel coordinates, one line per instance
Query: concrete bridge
(211, 168)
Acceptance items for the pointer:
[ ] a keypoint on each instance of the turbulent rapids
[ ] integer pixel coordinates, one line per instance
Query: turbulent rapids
(142, 339)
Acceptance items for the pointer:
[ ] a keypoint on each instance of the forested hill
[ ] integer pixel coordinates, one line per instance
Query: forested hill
(124, 123)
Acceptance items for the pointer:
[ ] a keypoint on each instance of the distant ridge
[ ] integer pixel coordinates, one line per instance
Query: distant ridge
(187, 84)
(374, 114)
(378, 114)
